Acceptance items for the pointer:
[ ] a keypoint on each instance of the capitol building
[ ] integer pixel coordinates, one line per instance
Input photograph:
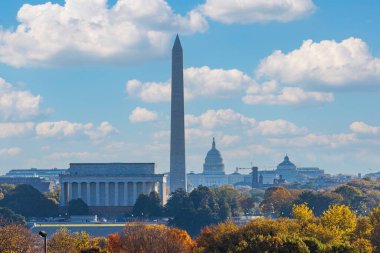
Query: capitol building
(214, 174)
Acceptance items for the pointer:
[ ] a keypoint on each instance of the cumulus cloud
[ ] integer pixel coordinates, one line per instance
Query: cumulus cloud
(228, 140)
(219, 118)
(252, 11)
(271, 94)
(87, 31)
(12, 151)
(279, 127)
(329, 62)
(363, 128)
(17, 104)
(140, 114)
(312, 139)
(199, 83)
(66, 129)
(103, 130)
(15, 129)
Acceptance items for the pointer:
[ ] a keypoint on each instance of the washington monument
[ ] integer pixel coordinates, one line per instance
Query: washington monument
(177, 128)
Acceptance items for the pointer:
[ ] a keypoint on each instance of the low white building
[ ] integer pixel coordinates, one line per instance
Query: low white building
(105, 185)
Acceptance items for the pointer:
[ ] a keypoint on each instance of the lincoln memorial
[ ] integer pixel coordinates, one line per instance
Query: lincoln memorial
(110, 186)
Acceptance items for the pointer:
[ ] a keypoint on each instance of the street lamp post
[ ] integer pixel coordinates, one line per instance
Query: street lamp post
(44, 235)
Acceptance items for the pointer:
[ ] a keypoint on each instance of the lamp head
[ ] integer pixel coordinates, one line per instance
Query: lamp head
(42, 233)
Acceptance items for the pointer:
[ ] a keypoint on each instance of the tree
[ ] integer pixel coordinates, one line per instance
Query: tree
(178, 199)
(29, 202)
(7, 217)
(78, 207)
(318, 202)
(275, 199)
(203, 198)
(339, 217)
(148, 205)
(63, 241)
(148, 238)
(155, 207)
(374, 218)
(16, 238)
(229, 195)
(224, 210)
(5, 188)
(303, 213)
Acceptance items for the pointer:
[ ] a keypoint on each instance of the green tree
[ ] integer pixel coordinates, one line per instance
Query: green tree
(148, 205)
(7, 217)
(29, 202)
(78, 207)
(319, 202)
(178, 199)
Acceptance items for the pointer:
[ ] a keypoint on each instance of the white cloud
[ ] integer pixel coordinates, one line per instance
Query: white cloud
(312, 139)
(10, 151)
(140, 114)
(329, 62)
(279, 127)
(60, 128)
(363, 128)
(219, 118)
(17, 104)
(88, 31)
(103, 130)
(15, 129)
(273, 95)
(228, 140)
(149, 91)
(202, 82)
(72, 155)
(252, 11)
(66, 129)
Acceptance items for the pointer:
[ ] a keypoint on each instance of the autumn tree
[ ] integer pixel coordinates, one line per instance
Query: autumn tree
(63, 241)
(303, 213)
(339, 218)
(275, 199)
(16, 238)
(150, 238)
(375, 222)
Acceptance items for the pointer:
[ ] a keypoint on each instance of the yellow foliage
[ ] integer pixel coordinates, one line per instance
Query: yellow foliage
(339, 217)
(362, 246)
(15, 238)
(303, 213)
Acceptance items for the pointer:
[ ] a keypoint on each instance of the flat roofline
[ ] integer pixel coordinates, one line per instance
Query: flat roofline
(108, 163)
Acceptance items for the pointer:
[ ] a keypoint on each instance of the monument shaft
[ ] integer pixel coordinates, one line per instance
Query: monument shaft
(177, 134)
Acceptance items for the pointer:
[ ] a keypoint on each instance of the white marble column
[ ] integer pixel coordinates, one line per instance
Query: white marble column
(125, 193)
(79, 191)
(70, 191)
(116, 194)
(107, 199)
(97, 193)
(161, 191)
(88, 193)
(134, 194)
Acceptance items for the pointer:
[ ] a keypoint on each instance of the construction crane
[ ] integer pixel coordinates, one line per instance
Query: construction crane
(255, 175)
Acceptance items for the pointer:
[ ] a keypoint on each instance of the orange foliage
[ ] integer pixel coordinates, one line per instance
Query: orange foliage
(150, 238)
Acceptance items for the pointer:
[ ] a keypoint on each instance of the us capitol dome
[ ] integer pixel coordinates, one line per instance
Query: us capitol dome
(213, 162)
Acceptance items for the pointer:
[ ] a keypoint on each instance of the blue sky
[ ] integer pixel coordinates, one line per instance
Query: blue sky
(88, 81)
